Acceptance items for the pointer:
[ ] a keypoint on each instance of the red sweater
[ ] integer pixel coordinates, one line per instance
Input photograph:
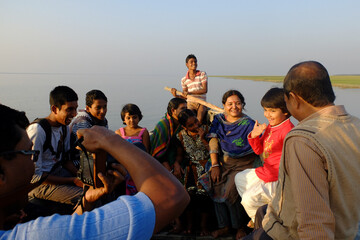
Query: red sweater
(269, 145)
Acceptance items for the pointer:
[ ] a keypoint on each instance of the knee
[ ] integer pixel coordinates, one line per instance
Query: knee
(245, 198)
(239, 178)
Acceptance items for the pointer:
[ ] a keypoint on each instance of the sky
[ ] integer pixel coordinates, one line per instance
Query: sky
(253, 37)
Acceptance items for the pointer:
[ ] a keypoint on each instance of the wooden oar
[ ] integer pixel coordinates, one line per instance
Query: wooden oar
(197, 100)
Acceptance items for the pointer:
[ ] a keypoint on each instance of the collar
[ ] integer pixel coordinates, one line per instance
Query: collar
(96, 121)
(286, 121)
(337, 110)
(196, 74)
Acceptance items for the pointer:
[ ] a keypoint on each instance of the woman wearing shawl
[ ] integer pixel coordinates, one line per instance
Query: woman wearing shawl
(163, 139)
(229, 131)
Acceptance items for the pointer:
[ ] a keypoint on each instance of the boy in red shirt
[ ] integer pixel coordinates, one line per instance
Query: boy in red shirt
(256, 186)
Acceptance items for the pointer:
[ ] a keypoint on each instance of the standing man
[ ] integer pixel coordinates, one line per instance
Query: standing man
(317, 195)
(195, 83)
(51, 137)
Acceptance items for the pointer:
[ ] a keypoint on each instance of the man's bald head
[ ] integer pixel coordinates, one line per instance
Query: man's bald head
(310, 80)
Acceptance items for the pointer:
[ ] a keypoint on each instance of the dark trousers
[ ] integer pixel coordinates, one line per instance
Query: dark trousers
(233, 215)
(258, 233)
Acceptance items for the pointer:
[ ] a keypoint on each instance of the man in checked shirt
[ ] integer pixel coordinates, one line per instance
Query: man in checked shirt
(317, 196)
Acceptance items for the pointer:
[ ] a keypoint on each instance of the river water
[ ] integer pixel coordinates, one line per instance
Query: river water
(30, 93)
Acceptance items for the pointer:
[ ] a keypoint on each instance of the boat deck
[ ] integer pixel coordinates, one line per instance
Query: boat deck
(171, 236)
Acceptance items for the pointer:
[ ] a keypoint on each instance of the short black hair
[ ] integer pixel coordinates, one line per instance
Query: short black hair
(231, 93)
(94, 95)
(62, 94)
(132, 109)
(190, 56)
(310, 80)
(185, 115)
(11, 121)
(174, 104)
(274, 98)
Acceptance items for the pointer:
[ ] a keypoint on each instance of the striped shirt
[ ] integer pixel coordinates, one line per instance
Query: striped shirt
(194, 85)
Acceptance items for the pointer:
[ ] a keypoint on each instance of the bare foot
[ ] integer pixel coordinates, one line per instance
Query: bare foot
(177, 228)
(188, 231)
(205, 232)
(240, 233)
(220, 232)
(250, 224)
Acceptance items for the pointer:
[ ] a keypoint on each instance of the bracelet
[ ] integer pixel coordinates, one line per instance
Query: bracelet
(215, 165)
(213, 151)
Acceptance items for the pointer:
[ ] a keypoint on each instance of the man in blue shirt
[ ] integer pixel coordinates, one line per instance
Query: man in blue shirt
(161, 197)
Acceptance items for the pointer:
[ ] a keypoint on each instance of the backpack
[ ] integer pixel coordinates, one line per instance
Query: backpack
(44, 123)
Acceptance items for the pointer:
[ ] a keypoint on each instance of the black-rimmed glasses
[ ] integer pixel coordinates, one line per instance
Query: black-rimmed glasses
(35, 153)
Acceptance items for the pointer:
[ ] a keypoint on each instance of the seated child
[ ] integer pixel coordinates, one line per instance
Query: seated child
(195, 84)
(195, 148)
(133, 133)
(257, 186)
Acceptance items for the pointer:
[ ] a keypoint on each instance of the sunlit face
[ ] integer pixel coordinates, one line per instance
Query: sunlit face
(191, 64)
(65, 114)
(177, 111)
(233, 106)
(131, 120)
(275, 116)
(192, 125)
(98, 109)
(18, 174)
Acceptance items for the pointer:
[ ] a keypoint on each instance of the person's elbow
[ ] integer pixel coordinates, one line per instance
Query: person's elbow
(178, 201)
(171, 205)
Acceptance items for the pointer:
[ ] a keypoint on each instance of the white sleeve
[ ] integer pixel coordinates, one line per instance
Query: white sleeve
(38, 136)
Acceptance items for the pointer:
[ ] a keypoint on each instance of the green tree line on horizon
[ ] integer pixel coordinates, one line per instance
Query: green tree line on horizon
(344, 81)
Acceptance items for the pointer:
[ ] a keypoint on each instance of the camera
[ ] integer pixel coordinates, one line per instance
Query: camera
(90, 165)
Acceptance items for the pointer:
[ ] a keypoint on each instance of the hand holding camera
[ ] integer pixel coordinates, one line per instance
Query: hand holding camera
(93, 160)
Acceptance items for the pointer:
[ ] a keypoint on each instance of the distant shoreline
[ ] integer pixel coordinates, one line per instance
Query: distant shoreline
(341, 81)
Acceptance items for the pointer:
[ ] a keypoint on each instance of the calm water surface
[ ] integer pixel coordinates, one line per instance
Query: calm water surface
(30, 93)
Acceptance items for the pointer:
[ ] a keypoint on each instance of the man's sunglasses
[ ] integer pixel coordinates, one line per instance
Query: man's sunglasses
(35, 153)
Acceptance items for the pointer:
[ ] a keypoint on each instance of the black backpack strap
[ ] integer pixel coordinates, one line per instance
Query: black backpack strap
(65, 154)
(47, 128)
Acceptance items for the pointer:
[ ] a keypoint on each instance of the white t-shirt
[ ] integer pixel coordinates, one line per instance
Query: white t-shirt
(46, 159)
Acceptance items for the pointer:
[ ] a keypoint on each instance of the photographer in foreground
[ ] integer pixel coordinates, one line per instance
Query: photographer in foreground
(161, 197)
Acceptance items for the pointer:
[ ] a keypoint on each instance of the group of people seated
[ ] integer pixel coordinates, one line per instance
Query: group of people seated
(229, 167)
(255, 180)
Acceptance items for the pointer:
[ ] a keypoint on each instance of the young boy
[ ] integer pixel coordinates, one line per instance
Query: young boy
(94, 114)
(61, 184)
(195, 84)
(257, 186)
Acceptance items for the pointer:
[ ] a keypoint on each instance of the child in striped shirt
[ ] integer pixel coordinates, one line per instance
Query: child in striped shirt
(195, 84)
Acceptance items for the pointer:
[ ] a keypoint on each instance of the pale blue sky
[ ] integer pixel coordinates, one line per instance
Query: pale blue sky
(153, 37)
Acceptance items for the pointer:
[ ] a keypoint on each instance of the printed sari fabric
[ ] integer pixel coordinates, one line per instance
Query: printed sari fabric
(232, 136)
(161, 137)
(198, 156)
(236, 155)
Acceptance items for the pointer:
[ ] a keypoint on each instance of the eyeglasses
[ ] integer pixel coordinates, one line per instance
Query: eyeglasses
(35, 153)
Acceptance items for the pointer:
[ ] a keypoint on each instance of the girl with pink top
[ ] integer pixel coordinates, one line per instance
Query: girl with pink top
(256, 186)
(133, 133)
